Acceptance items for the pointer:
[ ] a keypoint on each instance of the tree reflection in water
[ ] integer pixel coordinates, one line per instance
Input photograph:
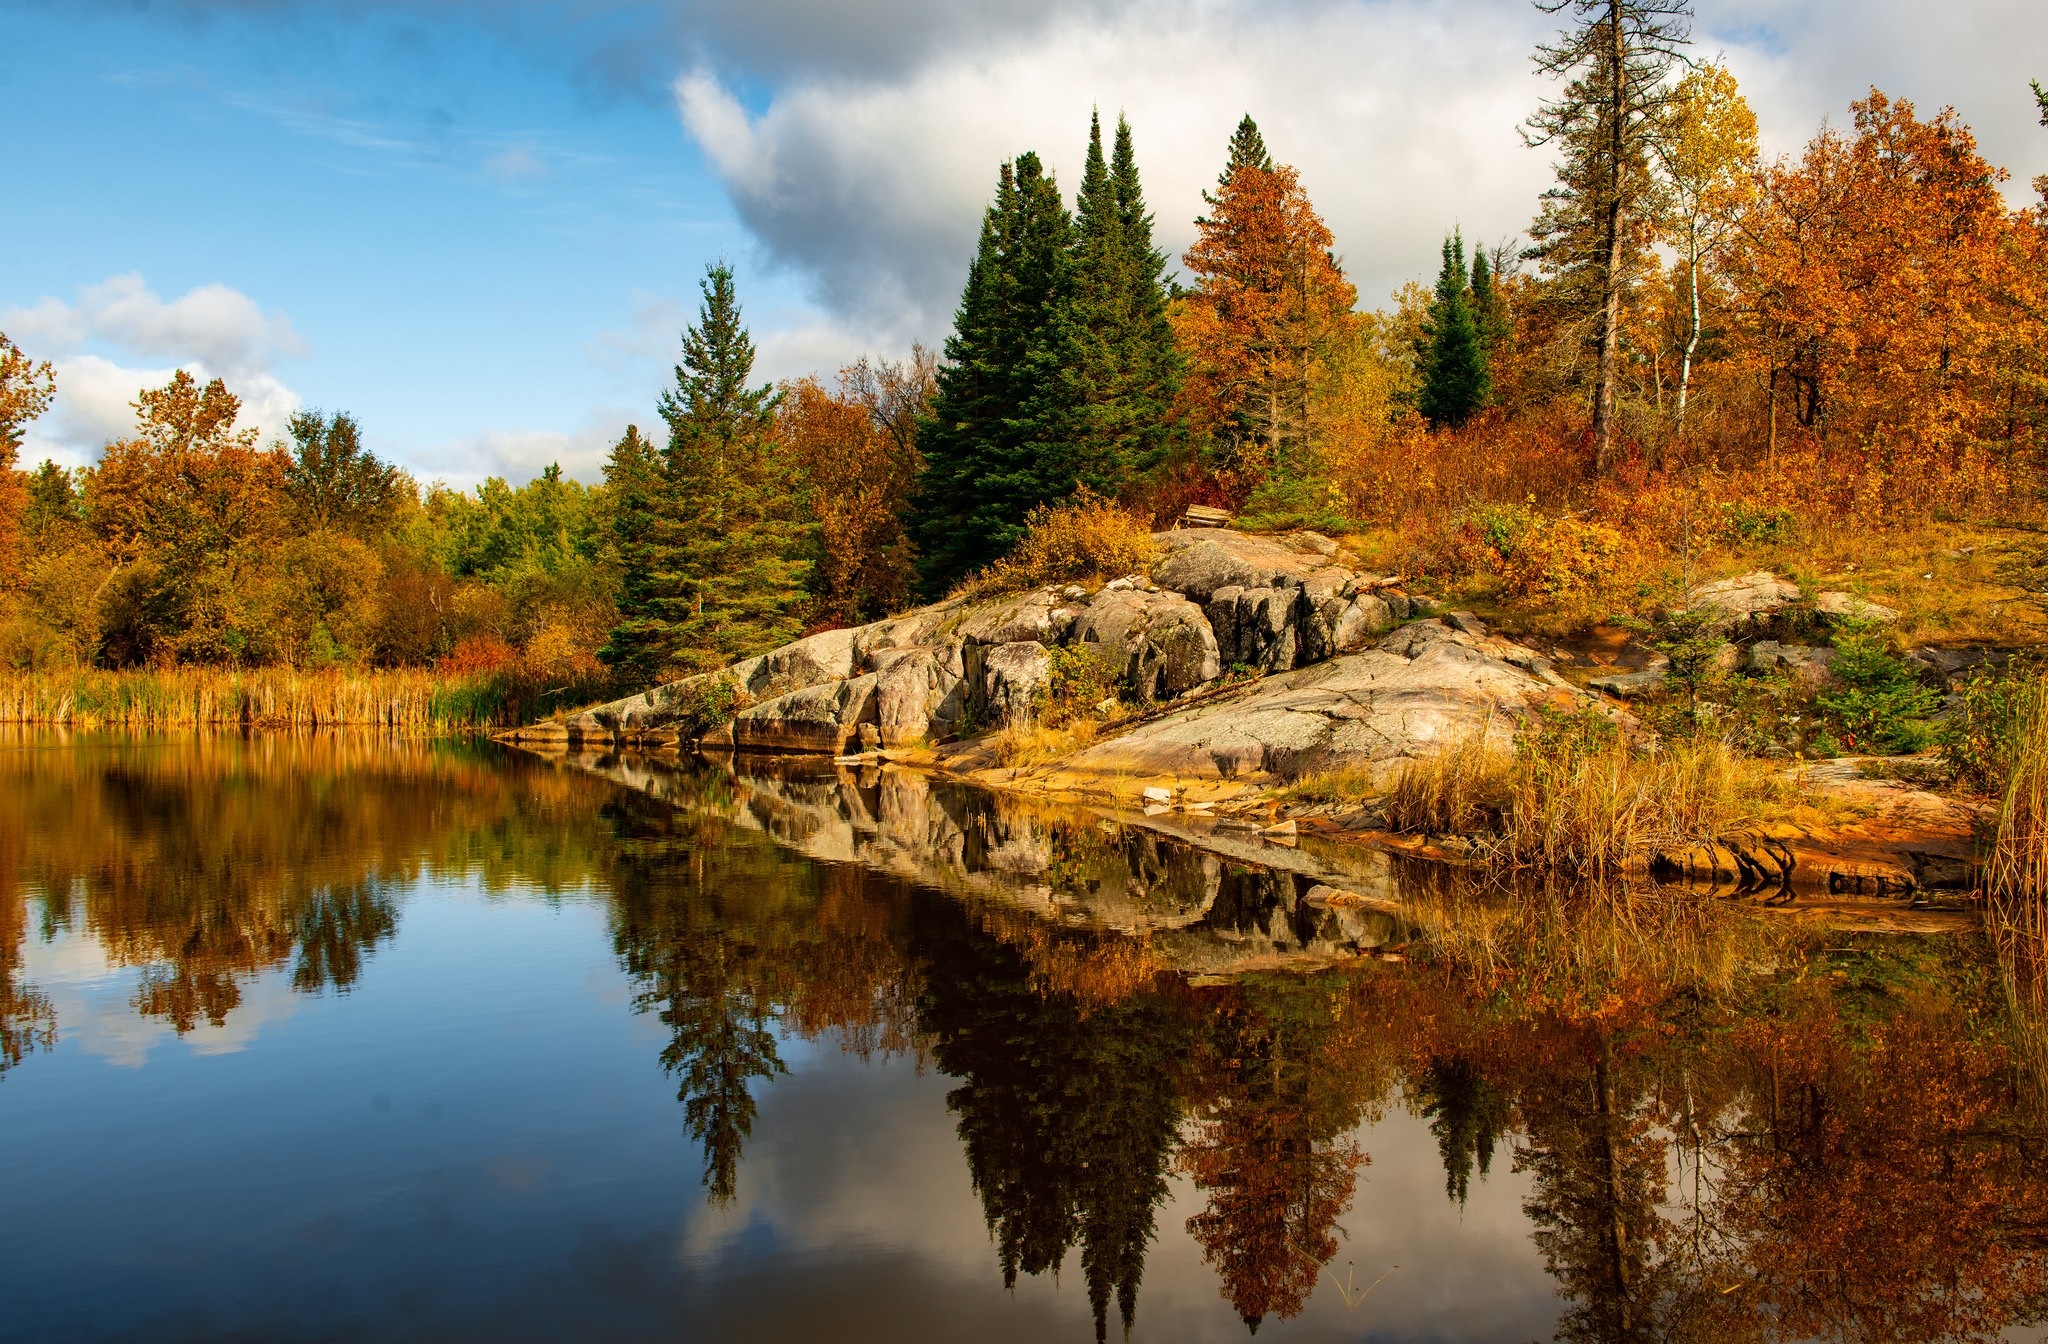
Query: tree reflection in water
(1731, 1130)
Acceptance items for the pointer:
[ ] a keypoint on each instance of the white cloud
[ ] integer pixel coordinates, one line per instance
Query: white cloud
(510, 167)
(519, 455)
(121, 337)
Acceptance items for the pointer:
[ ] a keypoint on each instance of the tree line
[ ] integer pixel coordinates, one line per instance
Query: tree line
(1857, 334)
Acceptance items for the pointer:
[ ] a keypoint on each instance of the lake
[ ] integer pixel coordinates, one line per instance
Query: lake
(337, 1038)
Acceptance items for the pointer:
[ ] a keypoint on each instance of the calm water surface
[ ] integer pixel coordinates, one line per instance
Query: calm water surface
(334, 1040)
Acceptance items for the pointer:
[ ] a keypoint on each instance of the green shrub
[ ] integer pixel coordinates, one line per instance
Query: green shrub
(1880, 710)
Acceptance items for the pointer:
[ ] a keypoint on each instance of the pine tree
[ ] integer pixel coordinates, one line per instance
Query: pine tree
(1247, 150)
(1005, 432)
(1594, 231)
(1151, 359)
(1489, 314)
(734, 538)
(640, 647)
(1129, 368)
(1454, 375)
(710, 534)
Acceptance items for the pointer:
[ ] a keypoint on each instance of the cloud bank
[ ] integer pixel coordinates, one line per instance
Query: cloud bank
(120, 336)
(866, 175)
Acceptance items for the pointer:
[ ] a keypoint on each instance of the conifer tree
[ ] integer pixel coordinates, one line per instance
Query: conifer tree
(1130, 369)
(1005, 432)
(1489, 314)
(639, 647)
(737, 538)
(1454, 374)
(1247, 150)
(713, 558)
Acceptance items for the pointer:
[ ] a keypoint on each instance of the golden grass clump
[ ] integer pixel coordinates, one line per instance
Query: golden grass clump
(1038, 743)
(1454, 791)
(1087, 540)
(1578, 795)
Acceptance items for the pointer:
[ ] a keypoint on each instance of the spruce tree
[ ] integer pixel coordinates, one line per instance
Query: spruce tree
(733, 538)
(709, 530)
(1148, 352)
(1455, 383)
(1005, 433)
(1489, 314)
(639, 648)
(1129, 368)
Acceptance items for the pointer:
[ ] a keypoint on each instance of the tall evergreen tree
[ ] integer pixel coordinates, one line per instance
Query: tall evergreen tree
(1594, 231)
(1005, 432)
(1130, 369)
(1489, 314)
(639, 647)
(1148, 351)
(1455, 382)
(721, 540)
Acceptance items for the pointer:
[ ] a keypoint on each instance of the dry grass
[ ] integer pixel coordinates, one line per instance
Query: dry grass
(1038, 744)
(403, 700)
(2017, 875)
(1454, 791)
(1578, 796)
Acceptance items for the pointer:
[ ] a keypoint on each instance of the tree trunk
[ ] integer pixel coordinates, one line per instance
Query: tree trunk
(1610, 240)
(1692, 340)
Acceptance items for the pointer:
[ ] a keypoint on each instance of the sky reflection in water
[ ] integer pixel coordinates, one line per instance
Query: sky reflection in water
(331, 1040)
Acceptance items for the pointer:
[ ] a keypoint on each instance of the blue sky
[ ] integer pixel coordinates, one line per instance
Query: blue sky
(478, 224)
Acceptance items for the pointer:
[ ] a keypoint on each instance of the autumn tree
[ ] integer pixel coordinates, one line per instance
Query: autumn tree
(186, 507)
(1707, 146)
(1005, 429)
(856, 475)
(1596, 224)
(334, 483)
(1865, 282)
(1269, 300)
(1455, 382)
(25, 391)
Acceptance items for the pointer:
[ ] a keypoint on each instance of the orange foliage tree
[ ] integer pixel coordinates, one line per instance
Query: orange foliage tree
(1269, 299)
(184, 506)
(1868, 282)
(857, 451)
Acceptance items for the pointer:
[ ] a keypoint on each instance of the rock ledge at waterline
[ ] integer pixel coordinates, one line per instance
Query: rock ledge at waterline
(1356, 672)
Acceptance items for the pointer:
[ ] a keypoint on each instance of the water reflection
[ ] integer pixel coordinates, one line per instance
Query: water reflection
(1729, 1129)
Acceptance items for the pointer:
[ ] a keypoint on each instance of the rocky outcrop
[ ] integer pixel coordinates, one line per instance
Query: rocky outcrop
(1414, 691)
(1217, 600)
(1744, 600)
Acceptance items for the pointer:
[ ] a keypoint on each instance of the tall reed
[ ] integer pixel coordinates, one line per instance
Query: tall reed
(399, 699)
(1577, 795)
(2016, 883)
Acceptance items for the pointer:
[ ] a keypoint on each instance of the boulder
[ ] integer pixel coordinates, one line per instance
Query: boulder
(1016, 676)
(1744, 598)
(919, 697)
(1042, 616)
(1255, 627)
(1839, 607)
(1422, 687)
(1161, 643)
(794, 667)
(823, 718)
(1199, 563)
(1629, 685)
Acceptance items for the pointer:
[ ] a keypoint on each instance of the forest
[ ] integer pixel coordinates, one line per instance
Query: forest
(1691, 350)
